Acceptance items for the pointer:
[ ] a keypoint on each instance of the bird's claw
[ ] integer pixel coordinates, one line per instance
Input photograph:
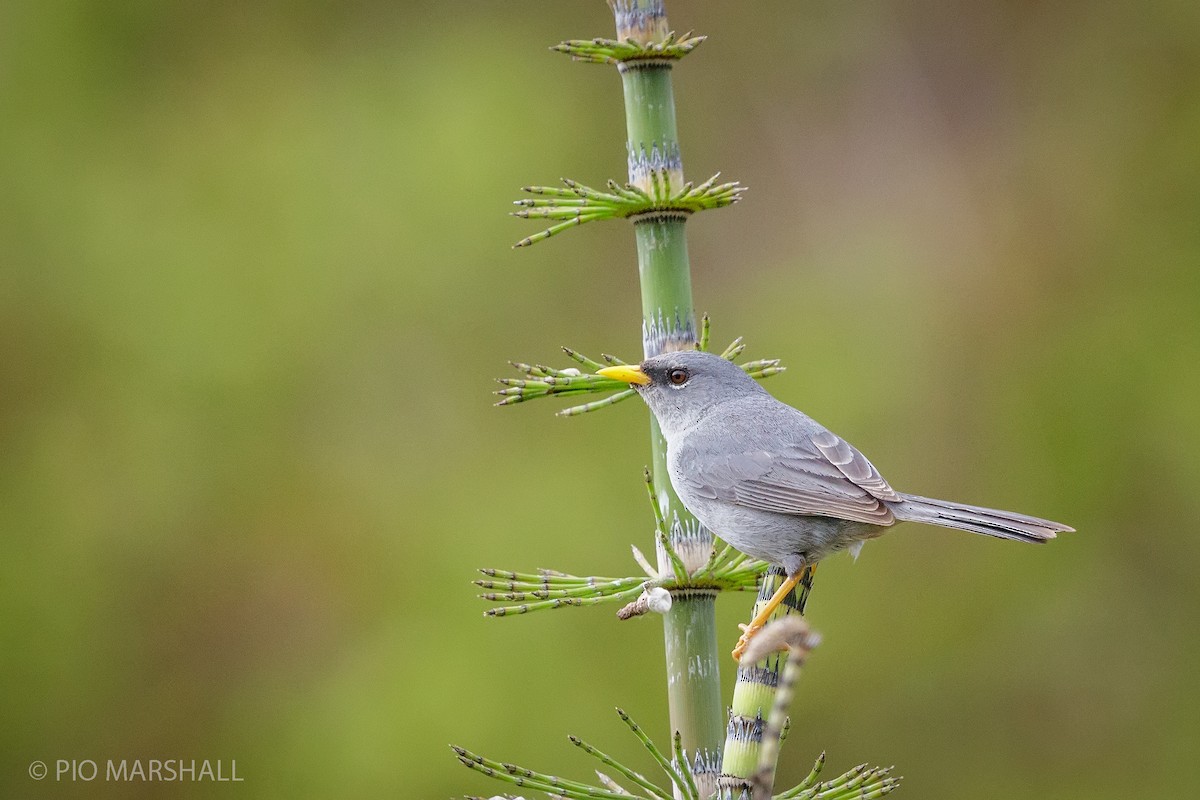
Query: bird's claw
(748, 632)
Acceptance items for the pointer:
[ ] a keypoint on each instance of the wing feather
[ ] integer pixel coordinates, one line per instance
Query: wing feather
(854, 465)
(817, 475)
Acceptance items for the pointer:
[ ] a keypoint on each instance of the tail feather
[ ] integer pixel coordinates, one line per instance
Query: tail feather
(988, 521)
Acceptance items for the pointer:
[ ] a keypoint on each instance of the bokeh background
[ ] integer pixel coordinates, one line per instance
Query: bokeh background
(255, 279)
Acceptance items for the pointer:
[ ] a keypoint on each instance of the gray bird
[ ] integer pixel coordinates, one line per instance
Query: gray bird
(773, 482)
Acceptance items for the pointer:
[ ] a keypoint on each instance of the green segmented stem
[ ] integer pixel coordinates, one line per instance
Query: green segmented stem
(772, 736)
(754, 696)
(693, 673)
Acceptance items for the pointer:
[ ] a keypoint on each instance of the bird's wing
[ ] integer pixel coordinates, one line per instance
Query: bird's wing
(816, 474)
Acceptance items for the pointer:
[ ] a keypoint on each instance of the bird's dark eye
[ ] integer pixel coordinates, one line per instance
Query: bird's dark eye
(678, 376)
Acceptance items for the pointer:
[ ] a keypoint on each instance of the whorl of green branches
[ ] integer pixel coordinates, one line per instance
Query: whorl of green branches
(725, 569)
(544, 381)
(577, 204)
(859, 783)
(629, 53)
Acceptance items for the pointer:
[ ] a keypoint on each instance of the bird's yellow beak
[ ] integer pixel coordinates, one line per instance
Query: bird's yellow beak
(626, 372)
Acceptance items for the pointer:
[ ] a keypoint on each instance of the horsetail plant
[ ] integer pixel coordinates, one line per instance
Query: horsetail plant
(712, 754)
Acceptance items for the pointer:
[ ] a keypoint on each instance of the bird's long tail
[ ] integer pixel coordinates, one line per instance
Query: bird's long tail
(988, 521)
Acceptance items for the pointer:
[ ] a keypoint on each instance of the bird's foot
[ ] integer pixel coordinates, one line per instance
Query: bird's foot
(748, 632)
(767, 609)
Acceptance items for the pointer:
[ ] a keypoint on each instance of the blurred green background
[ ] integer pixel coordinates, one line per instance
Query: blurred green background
(255, 279)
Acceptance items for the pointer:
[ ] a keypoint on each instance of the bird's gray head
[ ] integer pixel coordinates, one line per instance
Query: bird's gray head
(682, 387)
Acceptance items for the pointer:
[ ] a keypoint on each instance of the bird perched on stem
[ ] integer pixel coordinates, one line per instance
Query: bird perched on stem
(773, 482)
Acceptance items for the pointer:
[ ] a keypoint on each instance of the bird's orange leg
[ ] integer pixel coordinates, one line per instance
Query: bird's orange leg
(760, 619)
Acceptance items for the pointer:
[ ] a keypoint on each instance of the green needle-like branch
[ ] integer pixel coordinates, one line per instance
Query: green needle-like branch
(859, 783)
(656, 754)
(526, 778)
(577, 204)
(610, 784)
(810, 780)
(678, 772)
(608, 760)
(660, 522)
(559, 592)
(705, 330)
(681, 765)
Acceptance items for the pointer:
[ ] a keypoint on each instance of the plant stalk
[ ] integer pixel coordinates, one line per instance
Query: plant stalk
(753, 698)
(668, 323)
